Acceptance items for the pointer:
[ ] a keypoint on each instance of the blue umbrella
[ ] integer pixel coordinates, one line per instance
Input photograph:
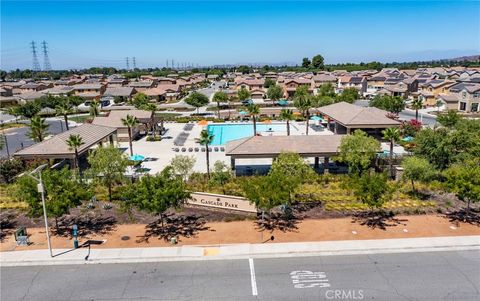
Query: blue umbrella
(408, 139)
(137, 157)
(242, 113)
(282, 102)
(315, 118)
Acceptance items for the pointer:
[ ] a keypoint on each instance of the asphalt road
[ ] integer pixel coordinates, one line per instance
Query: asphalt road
(407, 276)
(17, 138)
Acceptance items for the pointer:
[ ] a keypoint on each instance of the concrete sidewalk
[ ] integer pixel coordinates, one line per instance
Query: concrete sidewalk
(239, 251)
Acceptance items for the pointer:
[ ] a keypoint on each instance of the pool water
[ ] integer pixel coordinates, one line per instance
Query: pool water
(222, 133)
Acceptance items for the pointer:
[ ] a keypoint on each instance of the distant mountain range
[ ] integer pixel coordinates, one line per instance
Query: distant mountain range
(469, 58)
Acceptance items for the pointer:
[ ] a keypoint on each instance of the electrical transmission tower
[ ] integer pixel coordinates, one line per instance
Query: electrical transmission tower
(128, 63)
(46, 60)
(167, 63)
(134, 63)
(36, 64)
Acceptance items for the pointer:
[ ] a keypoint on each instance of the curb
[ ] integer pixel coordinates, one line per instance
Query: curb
(241, 251)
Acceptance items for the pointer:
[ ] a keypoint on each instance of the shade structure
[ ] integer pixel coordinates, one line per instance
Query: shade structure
(242, 113)
(315, 118)
(203, 122)
(282, 102)
(137, 157)
(408, 139)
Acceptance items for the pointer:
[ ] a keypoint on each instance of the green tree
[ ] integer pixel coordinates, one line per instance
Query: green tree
(74, 142)
(244, 69)
(287, 115)
(140, 100)
(449, 119)
(358, 151)
(107, 166)
(243, 94)
(268, 83)
(62, 192)
(221, 174)
(326, 89)
(348, 95)
(27, 110)
(156, 194)
(63, 109)
(290, 170)
(274, 92)
(265, 192)
(253, 110)
(318, 62)
(38, 129)
(197, 100)
(392, 104)
(94, 108)
(306, 62)
(417, 169)
(417, 104)
(206, 139)
(183, 165)
(393, 136)
(130, 122)
(219, 97)
(370, 189)
(464, 181)
(302, 100)
(9, 168)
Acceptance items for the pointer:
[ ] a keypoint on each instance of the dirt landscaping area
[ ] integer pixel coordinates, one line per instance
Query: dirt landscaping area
(246, 231)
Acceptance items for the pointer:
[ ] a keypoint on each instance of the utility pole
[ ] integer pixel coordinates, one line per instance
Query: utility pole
(36, 64)
(46, 60)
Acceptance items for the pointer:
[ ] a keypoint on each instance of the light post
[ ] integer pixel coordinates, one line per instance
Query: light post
(41, 189)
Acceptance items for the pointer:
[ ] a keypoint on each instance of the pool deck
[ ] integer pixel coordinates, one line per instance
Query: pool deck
(162, 152)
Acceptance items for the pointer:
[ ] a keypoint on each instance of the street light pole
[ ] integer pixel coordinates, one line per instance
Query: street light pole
(41, 189)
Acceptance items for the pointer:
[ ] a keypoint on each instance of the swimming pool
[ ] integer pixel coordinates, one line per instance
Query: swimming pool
(222, 133)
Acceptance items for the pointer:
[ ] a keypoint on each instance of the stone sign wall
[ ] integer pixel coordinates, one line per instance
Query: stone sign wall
(221, 201)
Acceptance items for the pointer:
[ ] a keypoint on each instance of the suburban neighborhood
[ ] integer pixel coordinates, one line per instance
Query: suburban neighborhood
(313, 179)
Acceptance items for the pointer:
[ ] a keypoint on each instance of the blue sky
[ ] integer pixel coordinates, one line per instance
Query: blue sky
(103, 33)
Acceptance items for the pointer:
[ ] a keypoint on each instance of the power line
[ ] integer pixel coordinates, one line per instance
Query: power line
(36, 64)
(46, 60)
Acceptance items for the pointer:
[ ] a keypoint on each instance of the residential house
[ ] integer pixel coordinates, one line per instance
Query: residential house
(468, 95)
(291, 85)
(89, 91)
(34, 87)
(429, 91)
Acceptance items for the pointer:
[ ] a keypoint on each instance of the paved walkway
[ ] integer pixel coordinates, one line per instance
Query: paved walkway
(238, 251)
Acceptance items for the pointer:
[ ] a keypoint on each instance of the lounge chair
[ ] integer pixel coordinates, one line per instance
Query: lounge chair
(176, 149)
(184, 149)
(190, 149)
(196, 149)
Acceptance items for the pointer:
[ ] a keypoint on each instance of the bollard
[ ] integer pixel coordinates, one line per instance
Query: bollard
(75, 235)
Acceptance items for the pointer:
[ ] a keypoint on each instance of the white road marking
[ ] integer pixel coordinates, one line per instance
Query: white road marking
(309, 279)
(252, 277)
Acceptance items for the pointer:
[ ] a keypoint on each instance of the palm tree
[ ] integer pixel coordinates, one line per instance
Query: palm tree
(94, 107)
(130, 122)
(254, 110)
(417, 104)
(38, 128)
(74, 142)
(205, 139)
(153, 125)
(64, 109)
(287, 115)
(392, 135)
(303, 102)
